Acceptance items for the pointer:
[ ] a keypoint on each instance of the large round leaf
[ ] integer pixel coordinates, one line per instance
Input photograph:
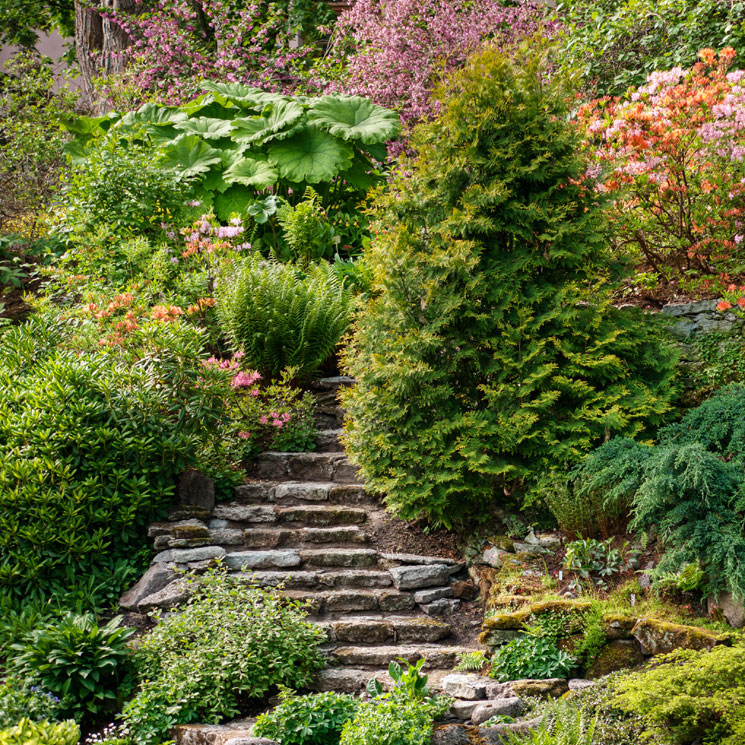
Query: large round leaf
(235, 199)
(354, 118)
(206, 127)
(249, 172)
(277, 117)
(244, 95)
(190, 155)
(310, 155)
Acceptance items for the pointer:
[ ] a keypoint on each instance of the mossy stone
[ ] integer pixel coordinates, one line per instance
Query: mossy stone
(661, 637)
(619, 654)
(553, 687)
(514, 620)
(560, 606)
(503, 542)
(617, 626)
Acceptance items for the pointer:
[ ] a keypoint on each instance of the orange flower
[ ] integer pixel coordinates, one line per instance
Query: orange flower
(723, 305)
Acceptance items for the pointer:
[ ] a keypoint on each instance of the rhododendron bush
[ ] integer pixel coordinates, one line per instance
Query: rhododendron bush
(670, 154)
(395, 52)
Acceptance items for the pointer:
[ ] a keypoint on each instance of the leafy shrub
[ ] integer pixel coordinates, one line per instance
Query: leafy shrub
(720, 361)
(531, 656)
(307, 231)
(689, 696)
(41, 733)
(77, 660)
(231, 641)
(614, 44)
(281, 316)
(19, 699)
(671, 152)
(123, 189)
(316, 719)
(31, 158)
(487, 351)
(689, 487)
(235, 142)
(90, 444)
(593, 561)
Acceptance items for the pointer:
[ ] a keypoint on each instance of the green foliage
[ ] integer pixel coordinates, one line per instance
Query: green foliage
(77, 660)
(471, 662)
(689, 487)
(316, 719)
(90, 443)
(236, 141)
(19, 699)
(691, 578)
(531, 656)
(689, 696)
(594, 561)
(408, 683)
(721, 361)
(593, 636)
(561, 725)
(231, 641)
(307, 232)
(490, 344)
(613, 44)
(282, 316)
(31, 156)
(122, 189)
(41, 733)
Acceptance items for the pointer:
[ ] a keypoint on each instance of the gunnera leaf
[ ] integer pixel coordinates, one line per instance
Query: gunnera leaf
(354, 118)
(190, 155)
(251, 172)
(235, 199)
(277, 116)
(310, 155)
(206, 127)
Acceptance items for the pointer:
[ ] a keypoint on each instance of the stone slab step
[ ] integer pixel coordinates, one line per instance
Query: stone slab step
(329, 440)
(239, 730)
(323, 580)
(351, 600)
(305, 467)
(260, 538)
(355, 680)
(303, 492)
(386, 630)
(340, 557)
(324, 515)
(435, 656)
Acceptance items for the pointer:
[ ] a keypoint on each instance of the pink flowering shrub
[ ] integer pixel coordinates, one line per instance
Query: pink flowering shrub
(263, 416)
(177, 43)
(395, 52)
(670, 157)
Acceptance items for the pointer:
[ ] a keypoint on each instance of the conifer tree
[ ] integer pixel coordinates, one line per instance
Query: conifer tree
(490, 351)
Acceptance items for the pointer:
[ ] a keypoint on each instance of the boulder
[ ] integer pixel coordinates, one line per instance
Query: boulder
(510, 707)
(459, 734)
(495, 638)
(733, 610)
(579, 684)
(171, 596)
(430, 595)
(416, 577)
(186, 555)
(465, 590)
(443, 607)
(492, 556)
(553, 687)
(660, 637)
(154, 580)
(503, 542)
(196, 490)
(460, 685)
(616, 626)
(618, 654)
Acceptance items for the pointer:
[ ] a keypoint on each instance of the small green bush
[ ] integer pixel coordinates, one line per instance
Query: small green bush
(41, 733)
(316, 719)
(531, 656)
(689, 697)
(20, 699)
(282, 316)
(231, 641)
(489, 353)
(77, 660)
(561, 725)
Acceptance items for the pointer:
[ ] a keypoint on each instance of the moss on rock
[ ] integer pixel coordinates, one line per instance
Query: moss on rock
(619, 654)
(660, 637)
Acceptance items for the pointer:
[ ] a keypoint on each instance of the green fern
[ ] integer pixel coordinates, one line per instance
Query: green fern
(283, 317)
(306, 229)
(470, 662)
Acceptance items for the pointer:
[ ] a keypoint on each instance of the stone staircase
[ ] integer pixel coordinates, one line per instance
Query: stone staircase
(302, 521)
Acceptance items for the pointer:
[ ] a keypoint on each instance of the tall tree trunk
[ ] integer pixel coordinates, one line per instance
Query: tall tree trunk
(99, 43)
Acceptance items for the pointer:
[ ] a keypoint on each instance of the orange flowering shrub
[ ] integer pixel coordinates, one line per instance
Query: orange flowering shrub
(670, 157)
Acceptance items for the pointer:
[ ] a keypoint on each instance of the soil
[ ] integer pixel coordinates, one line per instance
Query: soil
(393, 536)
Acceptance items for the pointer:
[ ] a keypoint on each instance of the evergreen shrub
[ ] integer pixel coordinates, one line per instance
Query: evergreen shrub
(490, 353)
(281, 316)
(27, 732)
(690, 487)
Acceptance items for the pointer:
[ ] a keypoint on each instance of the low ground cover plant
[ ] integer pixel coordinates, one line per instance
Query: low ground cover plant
(27, 732)
(490, 343)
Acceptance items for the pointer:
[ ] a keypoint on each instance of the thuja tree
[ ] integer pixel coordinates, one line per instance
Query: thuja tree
(485, 357)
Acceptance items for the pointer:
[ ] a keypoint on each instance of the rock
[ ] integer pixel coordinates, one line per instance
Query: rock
(492, 556)
(616, 626)
(416, 577)
(443, 607)
(437, 593)
(192, 528)
(336, 382)
(496, 638)
(618, 654)
(660, 637)
(196, 490)
(226, 536)
(644, 580)
(529, 549)
(514, 620)
(463, 709)
(355, 578)
(468, 686)
(236, 733)
(391, 601)
(344, 680)
(553, 687)
(733, 610)
(550, 541)
(417, 559)
(460, 734)
(262, 559)
(245, 513)
(503, 542)
(510, 707)
(184, 556)
(154, 580)
(307, 491)
(250, 741)
(172, 595)
(579, 684)
(340, 557)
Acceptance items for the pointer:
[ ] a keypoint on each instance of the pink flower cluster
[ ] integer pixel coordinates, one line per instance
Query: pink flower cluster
(277, 420)
(396, 51)
(246, 380)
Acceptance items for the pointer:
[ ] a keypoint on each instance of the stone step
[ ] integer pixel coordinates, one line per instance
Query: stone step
(339, 557)
(435, 656)
(304, 492)
(322, 515)
(336, 536)
(386, 630)
(355, 680)
(329, 440)
(353, 601)
(323, 580)
(333, 466)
